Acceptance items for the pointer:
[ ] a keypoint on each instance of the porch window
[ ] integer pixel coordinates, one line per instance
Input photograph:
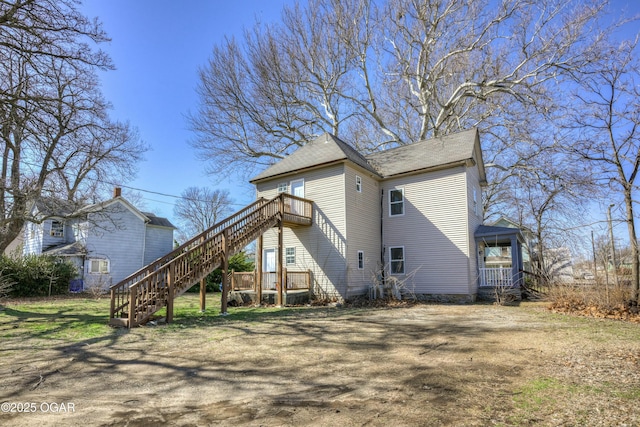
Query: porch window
(358, 184)
(396, 202)
(57, 228)
(283, 187)
(290, 256)
(396, 259)
(497, 251)
(360, 260)
(99, 266)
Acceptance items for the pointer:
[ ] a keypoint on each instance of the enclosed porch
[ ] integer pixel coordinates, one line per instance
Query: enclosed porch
(500, 258)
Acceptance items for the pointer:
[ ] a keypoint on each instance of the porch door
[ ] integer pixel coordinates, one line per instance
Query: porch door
(297, 189)
(269, 269)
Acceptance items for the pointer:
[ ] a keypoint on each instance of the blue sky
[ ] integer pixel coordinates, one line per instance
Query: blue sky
(157, 47)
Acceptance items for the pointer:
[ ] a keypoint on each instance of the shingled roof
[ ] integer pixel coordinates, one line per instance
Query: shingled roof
(323, 150)
(423, 155)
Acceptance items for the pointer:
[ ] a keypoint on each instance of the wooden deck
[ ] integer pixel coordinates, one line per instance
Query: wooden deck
(136, 298)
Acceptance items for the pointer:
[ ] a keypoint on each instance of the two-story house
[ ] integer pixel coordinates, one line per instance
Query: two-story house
(407, 215)
(106, 241)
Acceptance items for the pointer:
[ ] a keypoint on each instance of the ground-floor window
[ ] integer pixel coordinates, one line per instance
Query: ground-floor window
(290, 256)
(360, 260)
(99, 266)
(396, 259)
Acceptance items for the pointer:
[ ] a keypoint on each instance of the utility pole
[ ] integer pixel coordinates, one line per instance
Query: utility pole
(613, 248)
(593, 250)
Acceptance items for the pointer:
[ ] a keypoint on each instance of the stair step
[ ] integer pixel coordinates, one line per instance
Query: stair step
(119, 321)
(209, 257)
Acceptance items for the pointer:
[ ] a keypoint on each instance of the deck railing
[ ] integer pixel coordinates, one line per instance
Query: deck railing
(496, 277)
(156, 285)
(246, 281)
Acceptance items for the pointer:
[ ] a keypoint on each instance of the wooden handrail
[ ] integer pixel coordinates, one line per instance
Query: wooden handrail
(157, 284)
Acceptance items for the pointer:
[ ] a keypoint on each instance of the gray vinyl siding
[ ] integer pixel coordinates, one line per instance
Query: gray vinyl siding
(433, 231)
(158, 242)
(475, 220)
(363, 230)
(120, 239)
(321, 247)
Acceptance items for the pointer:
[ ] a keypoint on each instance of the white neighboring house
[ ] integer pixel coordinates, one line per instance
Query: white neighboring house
(107, 241)
(406, 215)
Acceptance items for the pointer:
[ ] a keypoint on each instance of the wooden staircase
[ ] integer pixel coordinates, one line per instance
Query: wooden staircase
(135, 299)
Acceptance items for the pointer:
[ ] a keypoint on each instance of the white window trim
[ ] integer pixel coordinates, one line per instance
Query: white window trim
(358, 184)
(56, 234)
(286, 256)
(404, 261)
(102, 262)
(283, 187)
(401, 189)
(360, 260)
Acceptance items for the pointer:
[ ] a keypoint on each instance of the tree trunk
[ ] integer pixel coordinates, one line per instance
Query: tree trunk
(635, 262)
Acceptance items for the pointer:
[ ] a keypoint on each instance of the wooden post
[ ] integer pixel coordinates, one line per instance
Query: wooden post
(112, 310)
(170, 289)
(132, 304)
(279, 269)
(203, 295)
(203, 285)
(258, 273)
(285, 284)
(224, 267)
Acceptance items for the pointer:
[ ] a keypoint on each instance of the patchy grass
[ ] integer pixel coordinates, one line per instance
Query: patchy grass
(472, 365)
(77, 318)
(68, 319)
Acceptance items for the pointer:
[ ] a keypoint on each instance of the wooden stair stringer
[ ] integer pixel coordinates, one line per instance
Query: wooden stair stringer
(249, 233)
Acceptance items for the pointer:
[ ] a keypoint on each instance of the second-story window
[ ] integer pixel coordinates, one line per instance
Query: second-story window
(396, 202)
(57, 228)
(358, 184)
(283, 188)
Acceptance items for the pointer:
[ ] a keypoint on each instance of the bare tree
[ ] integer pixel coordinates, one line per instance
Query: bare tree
(386, 73)
(57, 137)
(199, 208)
(607, 131)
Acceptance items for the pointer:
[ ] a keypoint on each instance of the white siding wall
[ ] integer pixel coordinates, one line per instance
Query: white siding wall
(33, 238)
(49, 241)
(159, 242)
(433, 231)
(321, 247)
(363, 230)
(120, 240)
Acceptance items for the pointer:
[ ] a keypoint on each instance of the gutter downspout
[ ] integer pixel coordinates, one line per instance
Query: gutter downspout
(382, 269)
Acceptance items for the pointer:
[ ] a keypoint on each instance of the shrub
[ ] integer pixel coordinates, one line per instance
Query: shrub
(594, 299)
(5, 285)
(37, 275)
(237, 262)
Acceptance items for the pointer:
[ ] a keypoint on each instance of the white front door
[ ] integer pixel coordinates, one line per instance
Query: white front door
(269, 263)
(269, 269)
(297, 189)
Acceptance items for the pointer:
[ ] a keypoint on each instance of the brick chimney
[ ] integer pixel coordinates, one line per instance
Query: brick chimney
(117, 192)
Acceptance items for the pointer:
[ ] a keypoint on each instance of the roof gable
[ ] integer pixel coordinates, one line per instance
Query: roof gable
(440, 151)
(323, 150)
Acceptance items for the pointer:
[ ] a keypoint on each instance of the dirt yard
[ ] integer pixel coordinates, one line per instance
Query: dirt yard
(425, 365)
